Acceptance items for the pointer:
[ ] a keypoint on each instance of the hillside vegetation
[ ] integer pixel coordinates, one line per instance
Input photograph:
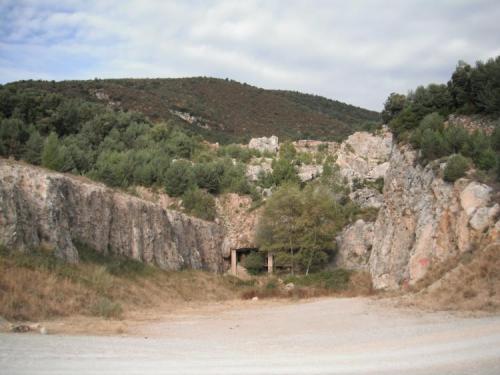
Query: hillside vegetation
(225, 110)
(420, 118)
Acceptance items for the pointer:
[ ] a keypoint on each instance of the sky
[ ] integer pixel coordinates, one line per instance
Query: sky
(353, 51)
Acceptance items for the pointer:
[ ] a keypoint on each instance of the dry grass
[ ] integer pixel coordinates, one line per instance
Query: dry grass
(38, 287)
(338, 282)
(472, 283)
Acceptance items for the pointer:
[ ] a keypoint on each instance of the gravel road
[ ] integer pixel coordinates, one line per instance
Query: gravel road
(327, 336)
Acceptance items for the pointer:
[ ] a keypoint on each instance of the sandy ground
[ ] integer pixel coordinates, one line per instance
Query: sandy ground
(326, 336)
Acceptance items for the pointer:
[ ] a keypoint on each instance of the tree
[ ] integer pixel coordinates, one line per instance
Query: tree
(51, 155)
(279, 228)
(393, 106)
(209, 176)
(113, 168)
(320, 220)
(179, 178)
(460, 87)
(34, 148)
(433, 145)
(300, 226)
(12, 136)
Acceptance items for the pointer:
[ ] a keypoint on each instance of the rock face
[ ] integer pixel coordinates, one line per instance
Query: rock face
(42, 208)
(257, 167)
(365, 156)
(367, 198)
(308, 172)
(355, 244)
(424, 220)
(269, 144)
(238, 220)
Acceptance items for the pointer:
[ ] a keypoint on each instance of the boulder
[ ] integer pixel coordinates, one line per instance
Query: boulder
(265, 144)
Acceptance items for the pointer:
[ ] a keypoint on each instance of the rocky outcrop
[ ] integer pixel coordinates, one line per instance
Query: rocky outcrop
(42, 208)
(258, 167)
(355, 244)
(365, 156)
(265, 144)
(425, 220)
(308, 172)
(422, 219)
(239, 222)
(367, 198)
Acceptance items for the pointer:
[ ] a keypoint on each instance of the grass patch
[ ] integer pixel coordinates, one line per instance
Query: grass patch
(37, 286)
(106, 308)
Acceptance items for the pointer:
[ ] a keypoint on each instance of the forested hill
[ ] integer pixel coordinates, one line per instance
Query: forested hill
(222, 110)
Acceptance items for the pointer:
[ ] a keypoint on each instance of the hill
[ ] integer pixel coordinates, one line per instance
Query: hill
(218, 109)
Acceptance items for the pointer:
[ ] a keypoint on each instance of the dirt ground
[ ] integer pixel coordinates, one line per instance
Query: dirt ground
(323, 336)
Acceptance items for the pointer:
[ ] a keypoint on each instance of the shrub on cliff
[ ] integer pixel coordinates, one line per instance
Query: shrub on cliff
(455, 168)
(199, 203)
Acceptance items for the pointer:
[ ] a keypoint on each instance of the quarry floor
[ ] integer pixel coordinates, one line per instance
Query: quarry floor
(324, 336)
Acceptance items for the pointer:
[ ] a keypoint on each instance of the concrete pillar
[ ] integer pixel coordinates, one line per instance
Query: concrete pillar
(234, 262)
(270, 262)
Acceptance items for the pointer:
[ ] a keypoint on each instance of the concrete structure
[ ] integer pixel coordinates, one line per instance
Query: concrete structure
(235, 259)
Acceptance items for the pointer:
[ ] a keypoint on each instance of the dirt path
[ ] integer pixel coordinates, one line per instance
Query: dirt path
(328, 336)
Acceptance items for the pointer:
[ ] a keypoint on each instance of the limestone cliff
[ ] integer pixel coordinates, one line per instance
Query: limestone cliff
(423, 220)
(39, 207)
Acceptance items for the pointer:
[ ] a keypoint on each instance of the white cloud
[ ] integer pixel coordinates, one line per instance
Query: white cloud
(355, 51)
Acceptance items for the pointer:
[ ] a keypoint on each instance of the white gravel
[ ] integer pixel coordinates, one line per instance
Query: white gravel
(329, 336)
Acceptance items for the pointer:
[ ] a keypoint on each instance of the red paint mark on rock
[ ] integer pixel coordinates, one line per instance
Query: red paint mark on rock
(424, 262)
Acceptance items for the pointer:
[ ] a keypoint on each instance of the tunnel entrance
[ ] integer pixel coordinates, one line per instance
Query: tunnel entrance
(238, 255)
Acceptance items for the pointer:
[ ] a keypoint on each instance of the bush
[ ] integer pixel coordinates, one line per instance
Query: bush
(254, 263)
(455, 168)
(179, 178)
(209, 175)
(107, 309)
(199, 203)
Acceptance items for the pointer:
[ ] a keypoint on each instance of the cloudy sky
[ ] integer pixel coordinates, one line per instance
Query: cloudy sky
(353, 51)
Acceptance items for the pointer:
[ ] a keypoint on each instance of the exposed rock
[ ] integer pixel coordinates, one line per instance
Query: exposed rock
(423, 220)
(289, 287)
(483, 217)
(308, 172)
(471, 124)
(365, 156)
(258, 166)
(354, 246)
(42, 208)
(238, 221)
(269, 144)
(473, 196)
(367, 198)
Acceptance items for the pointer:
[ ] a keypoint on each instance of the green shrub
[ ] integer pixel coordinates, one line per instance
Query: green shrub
(106, 308)
(199, 203)
(456, 167)
(254, 263)
(179, 178)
